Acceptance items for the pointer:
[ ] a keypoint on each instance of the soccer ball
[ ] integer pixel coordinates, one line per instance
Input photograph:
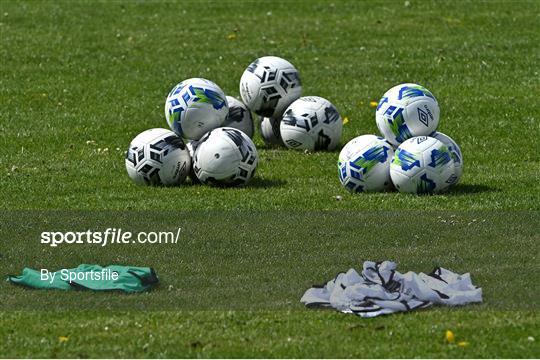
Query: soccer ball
(269, 85)
(364, 164)
(311, 123)
(455, 151)
(157, 157)
(239, 117)
(422, 165)
(225, 156)
(194, 107)
(405, 111)
(270, 131)
(191, 147)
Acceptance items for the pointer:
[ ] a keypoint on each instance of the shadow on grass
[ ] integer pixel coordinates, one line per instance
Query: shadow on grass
(284, 148)
(472, 189)
(255, 183)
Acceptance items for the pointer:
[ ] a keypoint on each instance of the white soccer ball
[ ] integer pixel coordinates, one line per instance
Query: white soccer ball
(239, 117)
(422, 165)
(157, 157)
(225, 156)
(270, 130)
(269, 85)
(194, 107)
(364, 164)
(455, 151)
(191, 147)
(311, 123)
(405, 111)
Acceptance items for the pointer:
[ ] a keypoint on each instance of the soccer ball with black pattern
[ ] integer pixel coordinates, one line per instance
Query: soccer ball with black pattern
(311, 123)
(157, 157)
(225, 156)
(269, 85)
(191, 146)
(422, 165)
(239, 117)
(364, 164)
(270, 130)
(455, 151)
(405, 111)
(194, 107)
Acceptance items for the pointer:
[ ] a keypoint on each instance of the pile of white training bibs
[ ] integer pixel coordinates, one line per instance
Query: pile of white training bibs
(380, 289)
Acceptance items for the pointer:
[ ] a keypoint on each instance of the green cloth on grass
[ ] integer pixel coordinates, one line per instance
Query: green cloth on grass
(90, 277)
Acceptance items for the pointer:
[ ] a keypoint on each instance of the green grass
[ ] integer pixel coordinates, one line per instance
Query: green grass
(80, 77)
(101, 72)
(270, 334)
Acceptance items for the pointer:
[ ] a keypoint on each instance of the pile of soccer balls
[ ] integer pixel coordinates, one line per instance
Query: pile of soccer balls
(211, 133)
(412, 156)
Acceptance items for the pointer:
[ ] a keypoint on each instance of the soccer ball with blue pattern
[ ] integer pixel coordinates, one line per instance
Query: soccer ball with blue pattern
(364, 164)
(422, 165)
(194, 107)
(405, 111)
(455, 151)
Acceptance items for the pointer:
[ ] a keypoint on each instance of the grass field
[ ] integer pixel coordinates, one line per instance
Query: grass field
(81, 77)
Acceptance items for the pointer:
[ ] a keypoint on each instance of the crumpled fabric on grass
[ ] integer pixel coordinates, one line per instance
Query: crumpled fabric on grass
(130, 279)
(380, 289)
